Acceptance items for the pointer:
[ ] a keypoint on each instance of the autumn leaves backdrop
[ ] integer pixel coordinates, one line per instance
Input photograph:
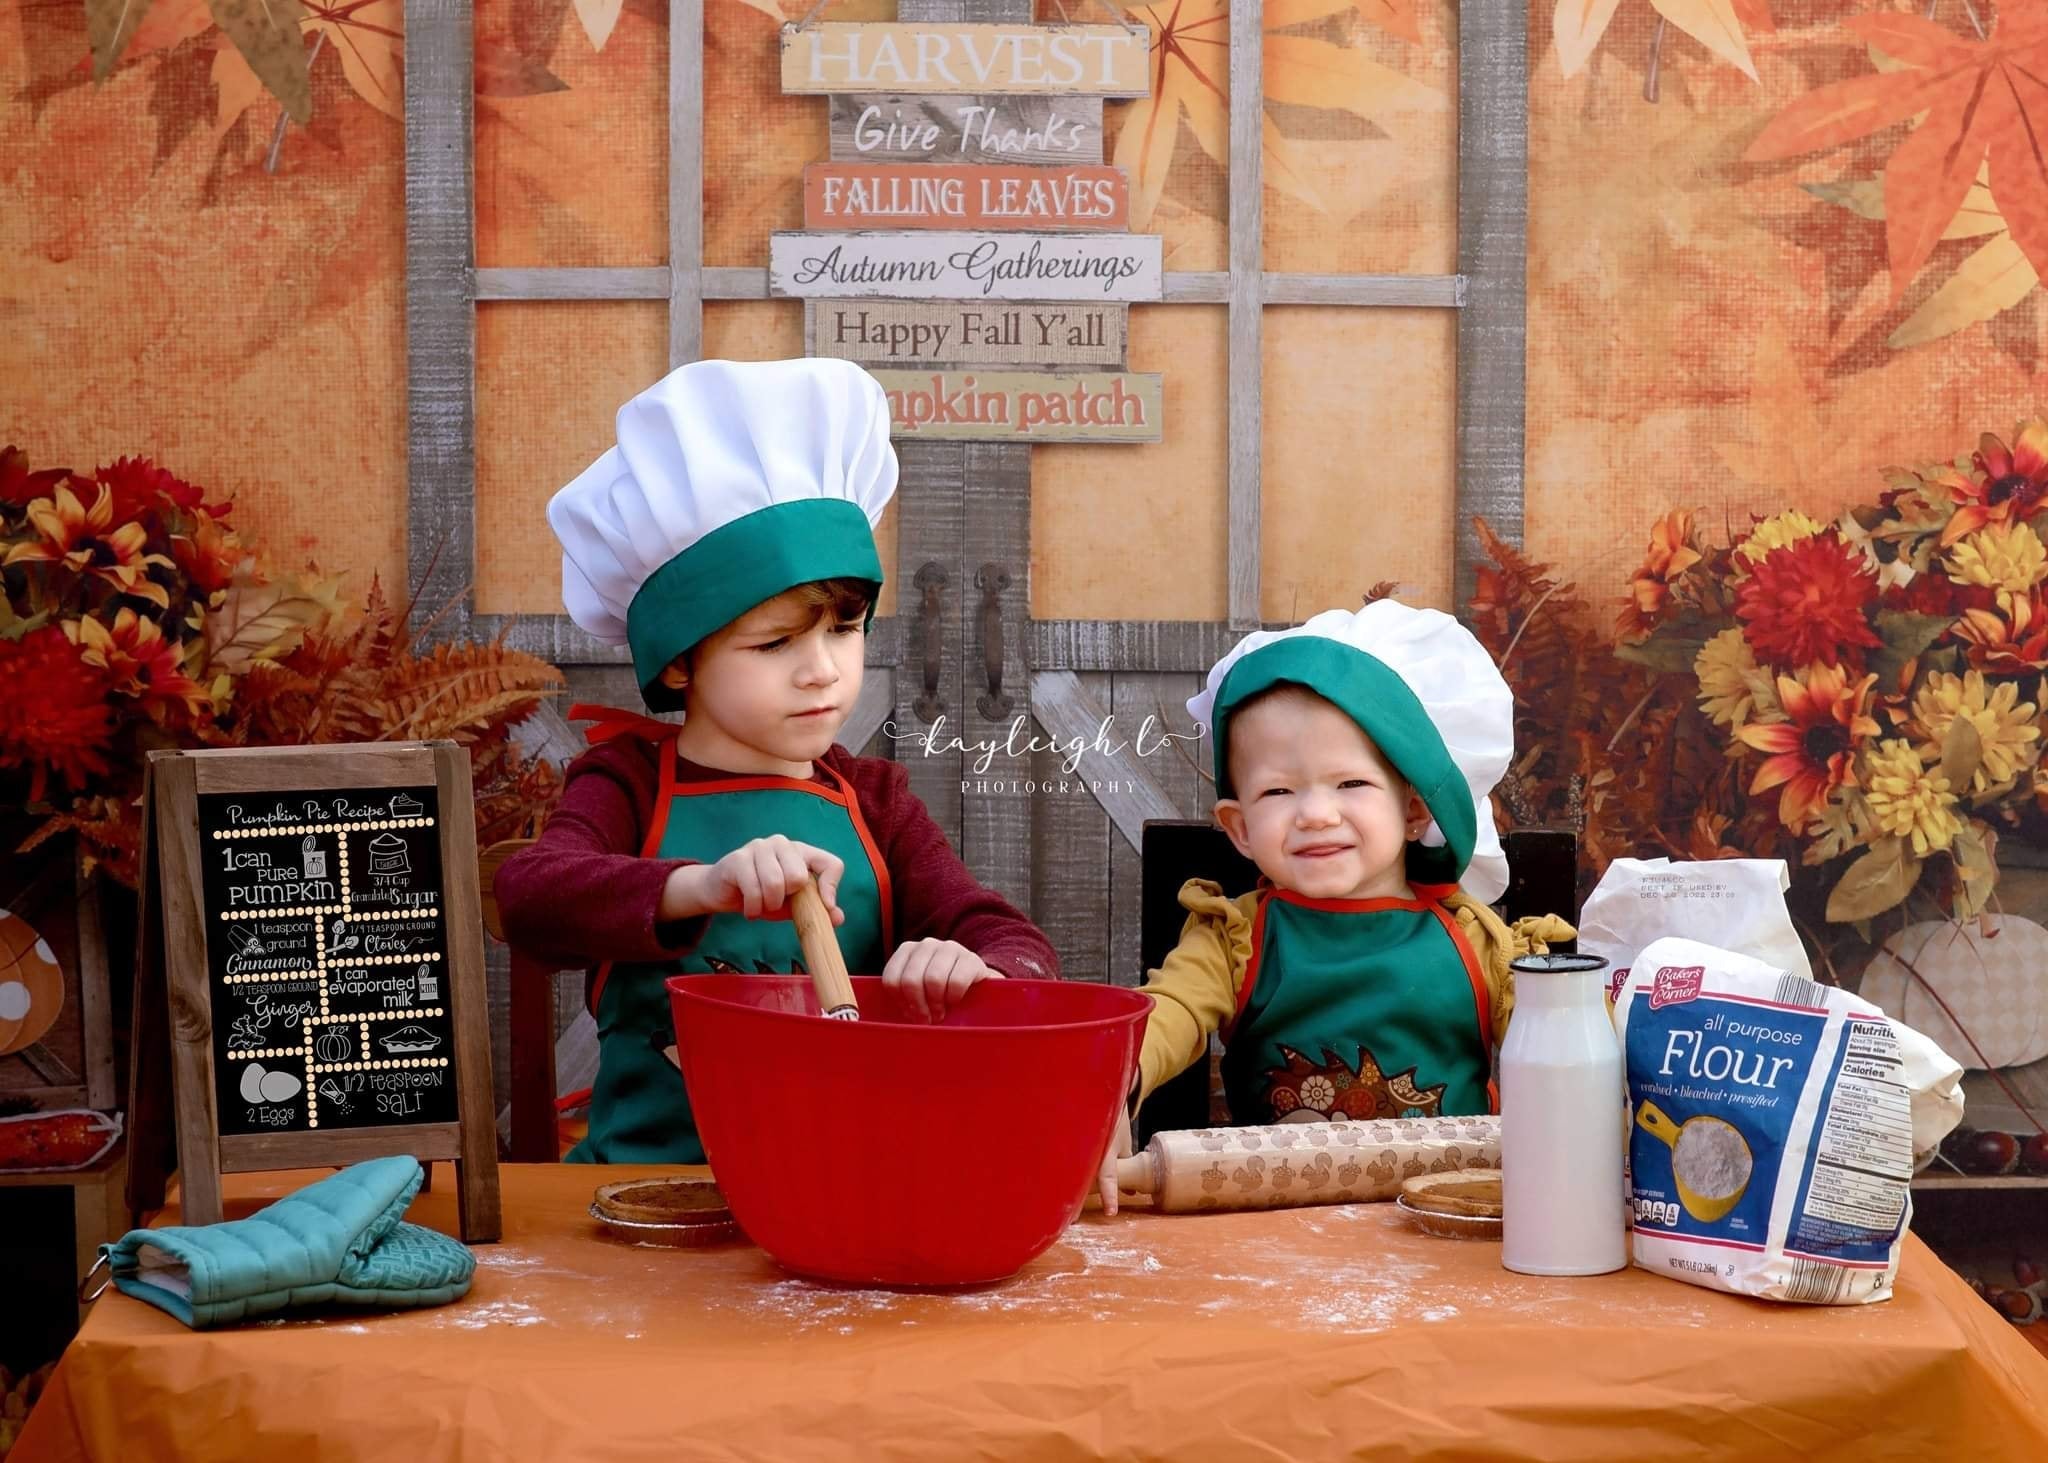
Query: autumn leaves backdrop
(1775, 245)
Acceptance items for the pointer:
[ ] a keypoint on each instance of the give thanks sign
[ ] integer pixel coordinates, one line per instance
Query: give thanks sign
(965, 242)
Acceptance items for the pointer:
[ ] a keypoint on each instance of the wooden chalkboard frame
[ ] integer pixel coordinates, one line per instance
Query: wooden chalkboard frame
(178, 952)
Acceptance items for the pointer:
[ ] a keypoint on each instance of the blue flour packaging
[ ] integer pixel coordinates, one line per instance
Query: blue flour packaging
(1774, 1126)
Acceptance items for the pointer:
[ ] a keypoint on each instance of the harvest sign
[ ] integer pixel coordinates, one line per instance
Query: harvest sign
(1095, 60)
(965, 228)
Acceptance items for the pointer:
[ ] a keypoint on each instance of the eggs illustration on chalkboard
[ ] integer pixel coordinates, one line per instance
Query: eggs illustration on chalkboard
(31, 984)
(261, 1086)
(409, 1039)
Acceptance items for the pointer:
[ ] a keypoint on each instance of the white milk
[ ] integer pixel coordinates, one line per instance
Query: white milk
(1561, 1102)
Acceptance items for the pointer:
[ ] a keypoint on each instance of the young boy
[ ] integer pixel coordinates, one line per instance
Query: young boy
(728, 539)
(1355, 757)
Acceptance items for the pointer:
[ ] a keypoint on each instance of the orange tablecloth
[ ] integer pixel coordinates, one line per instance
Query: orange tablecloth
(1293, 1334)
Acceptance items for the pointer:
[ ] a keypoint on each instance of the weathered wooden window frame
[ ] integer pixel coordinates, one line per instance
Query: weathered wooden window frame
(444, 287)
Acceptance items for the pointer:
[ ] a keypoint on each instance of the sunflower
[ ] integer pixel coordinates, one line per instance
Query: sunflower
(209, 555)
(54, 716)
(1908, 799)
(1774, 532)
(2005, 558)
(2004, 725)
(2010, 484)
(1805, 602)
(1732, 685)
(1671, 554)
(84, 540)
(137, 659)
(1812, 752)
(2012, 643)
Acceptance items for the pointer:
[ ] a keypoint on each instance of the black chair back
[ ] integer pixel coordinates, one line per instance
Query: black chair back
(1542, 879)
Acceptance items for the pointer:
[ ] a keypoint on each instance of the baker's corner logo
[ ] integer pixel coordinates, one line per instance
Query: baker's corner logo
(1020, 741)
(1676, 984)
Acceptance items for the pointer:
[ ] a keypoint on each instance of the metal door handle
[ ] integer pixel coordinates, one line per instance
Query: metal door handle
(931, 635)
(992, 580)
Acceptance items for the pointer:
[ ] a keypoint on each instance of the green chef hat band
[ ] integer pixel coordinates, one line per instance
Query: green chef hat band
(737, 566)
(1371, 694)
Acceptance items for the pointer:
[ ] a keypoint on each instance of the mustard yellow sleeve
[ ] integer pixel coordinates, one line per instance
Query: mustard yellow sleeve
(1494, 943)
(1194, 992)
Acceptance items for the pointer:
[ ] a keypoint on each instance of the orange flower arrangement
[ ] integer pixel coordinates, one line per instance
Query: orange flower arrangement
(133, 617)
(1862, 697)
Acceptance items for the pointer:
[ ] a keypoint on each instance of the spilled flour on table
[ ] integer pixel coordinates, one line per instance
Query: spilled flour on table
(1103, 1270)
(496, 1313)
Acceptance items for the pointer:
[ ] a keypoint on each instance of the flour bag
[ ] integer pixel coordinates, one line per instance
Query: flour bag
(1737, 903)
(1774, 1126)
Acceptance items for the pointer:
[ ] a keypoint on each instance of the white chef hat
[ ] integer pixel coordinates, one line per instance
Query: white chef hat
(1426, 692)
(732, 481)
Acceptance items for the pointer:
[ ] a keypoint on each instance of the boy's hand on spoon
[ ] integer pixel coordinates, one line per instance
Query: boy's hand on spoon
(934, 974)
(756, 880)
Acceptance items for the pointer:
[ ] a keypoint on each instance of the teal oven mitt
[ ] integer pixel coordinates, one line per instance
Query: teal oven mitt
(341, 1241)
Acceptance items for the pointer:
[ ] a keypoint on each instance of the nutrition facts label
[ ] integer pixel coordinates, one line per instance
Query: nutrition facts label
(327, 959)
(1863, 1159)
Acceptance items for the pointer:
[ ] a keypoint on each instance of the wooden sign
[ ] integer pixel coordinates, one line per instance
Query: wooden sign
(970, 266)
(934, 333)
(1088, 60)
(965, 129)
(323, 952)
(1023, 406)
(937, 196)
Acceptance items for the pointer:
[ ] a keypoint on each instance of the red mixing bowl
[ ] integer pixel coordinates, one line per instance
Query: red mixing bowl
(891, 1151)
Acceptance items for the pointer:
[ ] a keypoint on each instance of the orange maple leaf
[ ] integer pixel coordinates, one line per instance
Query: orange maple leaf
(1973, 99)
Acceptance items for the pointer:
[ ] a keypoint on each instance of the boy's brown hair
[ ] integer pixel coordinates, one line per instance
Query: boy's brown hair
(842, 599)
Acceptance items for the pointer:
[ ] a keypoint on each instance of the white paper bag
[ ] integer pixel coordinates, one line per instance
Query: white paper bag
(1736, 904)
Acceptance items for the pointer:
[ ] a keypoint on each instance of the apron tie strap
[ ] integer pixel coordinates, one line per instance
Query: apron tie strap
(613, 721)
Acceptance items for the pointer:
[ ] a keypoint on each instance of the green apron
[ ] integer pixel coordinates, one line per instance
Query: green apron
(639, 1107)
(1356, 1009)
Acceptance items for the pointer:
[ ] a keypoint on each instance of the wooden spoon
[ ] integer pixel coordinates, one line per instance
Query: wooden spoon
(821, 953)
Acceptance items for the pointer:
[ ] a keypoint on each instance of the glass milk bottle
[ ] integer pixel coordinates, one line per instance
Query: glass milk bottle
(1561, 1099)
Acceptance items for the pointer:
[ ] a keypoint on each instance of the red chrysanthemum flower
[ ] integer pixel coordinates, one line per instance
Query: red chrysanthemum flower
(1806, 602)
(1937, 594)
(54, 716)
(20, 486)
(2010, 484)
(1813, 751)
(138, 485)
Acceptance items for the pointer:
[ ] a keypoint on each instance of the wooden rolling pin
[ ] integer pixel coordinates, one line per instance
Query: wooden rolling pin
(1291, 1164)
(821, 953)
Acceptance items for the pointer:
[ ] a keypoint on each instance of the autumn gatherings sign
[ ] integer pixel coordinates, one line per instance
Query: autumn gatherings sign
(965, 224)
(951, 266)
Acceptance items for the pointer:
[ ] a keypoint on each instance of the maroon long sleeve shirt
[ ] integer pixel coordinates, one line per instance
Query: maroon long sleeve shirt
(582, 895)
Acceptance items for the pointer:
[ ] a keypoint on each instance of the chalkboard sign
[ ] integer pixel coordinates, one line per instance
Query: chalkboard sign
(328, 959)
(321, 939)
